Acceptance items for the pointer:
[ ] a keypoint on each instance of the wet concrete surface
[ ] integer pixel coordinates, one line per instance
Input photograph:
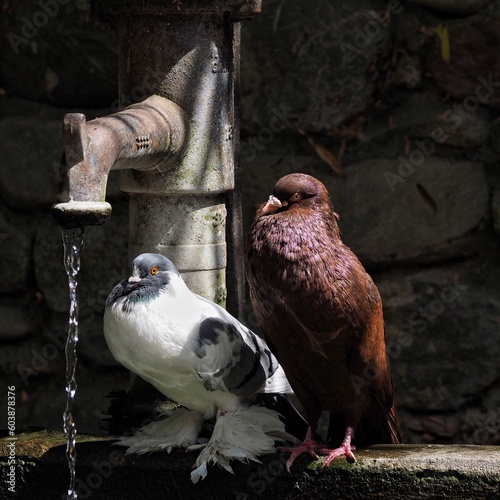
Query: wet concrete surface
(382, 471)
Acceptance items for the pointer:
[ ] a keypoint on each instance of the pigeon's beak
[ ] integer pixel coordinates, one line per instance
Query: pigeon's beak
(134, 279)
(272, 205)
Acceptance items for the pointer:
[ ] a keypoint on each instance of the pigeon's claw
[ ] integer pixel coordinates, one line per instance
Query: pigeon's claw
(309, 446)
(344, 449)
(338, 452)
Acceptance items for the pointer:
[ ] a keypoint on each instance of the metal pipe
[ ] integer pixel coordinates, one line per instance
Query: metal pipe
(177, 149)
(187, 53)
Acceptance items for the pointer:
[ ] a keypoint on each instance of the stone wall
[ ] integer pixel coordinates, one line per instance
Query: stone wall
(393, 105)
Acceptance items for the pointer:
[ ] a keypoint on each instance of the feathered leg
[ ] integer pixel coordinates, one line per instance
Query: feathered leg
(242, 434)
(179, 430)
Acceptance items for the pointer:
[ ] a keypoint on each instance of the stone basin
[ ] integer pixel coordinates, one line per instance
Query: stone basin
(382, 471)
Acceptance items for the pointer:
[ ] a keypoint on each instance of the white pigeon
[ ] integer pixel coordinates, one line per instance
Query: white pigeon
(197, 354)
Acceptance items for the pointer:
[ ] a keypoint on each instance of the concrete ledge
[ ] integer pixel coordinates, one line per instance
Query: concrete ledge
(389, 472)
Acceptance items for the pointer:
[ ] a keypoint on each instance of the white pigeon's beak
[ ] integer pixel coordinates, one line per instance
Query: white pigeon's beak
(272, 205)
(134, 279)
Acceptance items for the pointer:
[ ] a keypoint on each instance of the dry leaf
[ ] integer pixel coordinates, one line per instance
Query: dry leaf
(325, 154)
(340, 154)
(407, 145)
(277, 163)
(427, 197)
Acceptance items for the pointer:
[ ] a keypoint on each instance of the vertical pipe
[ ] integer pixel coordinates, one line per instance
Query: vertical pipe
(181, 212)
(235, 275)
(188, 54)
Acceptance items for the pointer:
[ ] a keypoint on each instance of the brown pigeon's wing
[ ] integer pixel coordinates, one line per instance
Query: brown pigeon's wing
(350, 357)
(370, 375)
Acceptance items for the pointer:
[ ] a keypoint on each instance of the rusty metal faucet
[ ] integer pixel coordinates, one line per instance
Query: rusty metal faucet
(145, 136)
(177, 148)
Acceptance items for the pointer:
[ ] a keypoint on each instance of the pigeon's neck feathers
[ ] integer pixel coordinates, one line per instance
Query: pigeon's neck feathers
(148, 292)
(176, 287)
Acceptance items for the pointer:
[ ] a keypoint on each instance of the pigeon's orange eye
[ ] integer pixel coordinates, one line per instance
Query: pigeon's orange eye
(296, 197)
(155, 270)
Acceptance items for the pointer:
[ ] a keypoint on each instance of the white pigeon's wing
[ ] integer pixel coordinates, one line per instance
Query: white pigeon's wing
(277, 383)
(231, 357)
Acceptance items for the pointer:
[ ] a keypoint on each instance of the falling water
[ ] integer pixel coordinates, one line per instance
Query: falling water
(73, 245)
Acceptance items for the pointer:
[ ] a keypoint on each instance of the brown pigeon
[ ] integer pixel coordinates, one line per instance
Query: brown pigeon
(321, 314)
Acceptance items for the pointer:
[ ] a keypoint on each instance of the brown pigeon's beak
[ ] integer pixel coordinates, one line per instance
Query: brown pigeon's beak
(272, 205)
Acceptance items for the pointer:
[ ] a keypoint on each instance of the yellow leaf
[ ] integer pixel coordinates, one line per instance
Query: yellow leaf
(442, 33)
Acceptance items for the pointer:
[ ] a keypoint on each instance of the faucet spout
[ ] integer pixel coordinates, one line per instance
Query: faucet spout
(145, 136)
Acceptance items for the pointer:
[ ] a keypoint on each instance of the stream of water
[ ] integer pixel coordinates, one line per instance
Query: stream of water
(73, 245)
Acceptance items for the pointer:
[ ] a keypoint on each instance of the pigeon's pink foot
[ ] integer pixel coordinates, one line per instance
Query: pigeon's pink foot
(309, 446)
(344, 449)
